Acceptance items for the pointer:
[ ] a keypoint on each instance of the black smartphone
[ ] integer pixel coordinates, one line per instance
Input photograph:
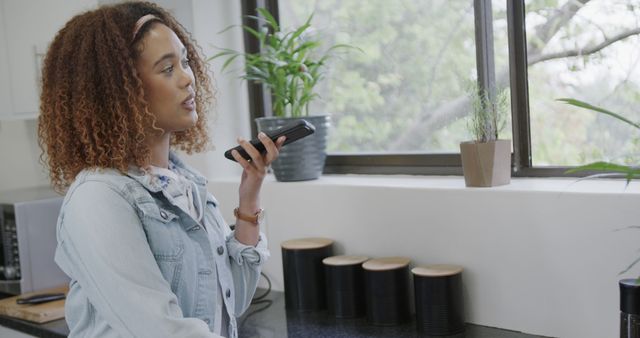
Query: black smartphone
(293, 132)
(41, 298)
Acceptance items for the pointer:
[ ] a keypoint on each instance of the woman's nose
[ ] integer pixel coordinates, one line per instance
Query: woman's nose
(186, 78)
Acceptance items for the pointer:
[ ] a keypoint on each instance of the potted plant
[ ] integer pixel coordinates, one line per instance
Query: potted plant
(486, 161)
(629, 287)
(288, 65)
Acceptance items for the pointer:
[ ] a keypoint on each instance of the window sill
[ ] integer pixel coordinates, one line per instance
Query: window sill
(518, 184)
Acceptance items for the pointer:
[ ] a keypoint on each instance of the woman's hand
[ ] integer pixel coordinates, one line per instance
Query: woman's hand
(255, 170)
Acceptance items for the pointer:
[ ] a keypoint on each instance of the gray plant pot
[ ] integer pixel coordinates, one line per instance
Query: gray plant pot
(302, 160)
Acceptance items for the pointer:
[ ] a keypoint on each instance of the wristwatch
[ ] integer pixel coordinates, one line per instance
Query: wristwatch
(256, 218)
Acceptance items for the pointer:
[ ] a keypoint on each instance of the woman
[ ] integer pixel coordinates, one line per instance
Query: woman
(143, 242)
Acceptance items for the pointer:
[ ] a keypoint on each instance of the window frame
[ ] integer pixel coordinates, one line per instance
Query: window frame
(436, 163)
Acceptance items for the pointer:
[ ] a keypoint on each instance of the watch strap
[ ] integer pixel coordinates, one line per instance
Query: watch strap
(255, 218)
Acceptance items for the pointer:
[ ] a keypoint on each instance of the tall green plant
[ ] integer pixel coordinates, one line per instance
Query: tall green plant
(629, 172)
(286, 64)
(608, 168)
(488, 117)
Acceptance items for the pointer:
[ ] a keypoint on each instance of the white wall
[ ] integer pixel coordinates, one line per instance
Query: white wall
(19, 156)
(539, 256)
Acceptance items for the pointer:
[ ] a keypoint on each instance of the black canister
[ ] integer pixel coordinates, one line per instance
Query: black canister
(345, 278)
(387, 290)
(438, 299)
(304, 280)
(629, 308)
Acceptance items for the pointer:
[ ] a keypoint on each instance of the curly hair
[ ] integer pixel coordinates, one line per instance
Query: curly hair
(93, 112)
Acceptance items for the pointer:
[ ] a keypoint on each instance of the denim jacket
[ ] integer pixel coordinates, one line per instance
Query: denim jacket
(142, 267)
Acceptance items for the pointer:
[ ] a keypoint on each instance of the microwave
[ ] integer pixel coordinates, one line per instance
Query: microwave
(28, 242)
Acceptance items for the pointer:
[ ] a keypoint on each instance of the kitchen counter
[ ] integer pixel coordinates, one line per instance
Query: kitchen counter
(53, 329)
(274, 322)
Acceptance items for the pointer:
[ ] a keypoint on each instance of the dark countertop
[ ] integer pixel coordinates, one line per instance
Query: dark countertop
(275, 322)
(55, 329)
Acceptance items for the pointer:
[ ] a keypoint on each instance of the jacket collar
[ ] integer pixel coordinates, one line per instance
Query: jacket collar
(152, 184)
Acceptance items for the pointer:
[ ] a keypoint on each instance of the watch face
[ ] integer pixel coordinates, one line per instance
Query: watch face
(260, 216)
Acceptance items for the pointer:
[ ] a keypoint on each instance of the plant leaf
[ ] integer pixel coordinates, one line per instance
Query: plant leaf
(585, 105)
(229, 61)
(298, 32)
(270, 19)
(253, 32)
(227, 28)
(342, 45)
(222, 53)
(629, 172)
(630, 266)
(603, 166)
(306, 46)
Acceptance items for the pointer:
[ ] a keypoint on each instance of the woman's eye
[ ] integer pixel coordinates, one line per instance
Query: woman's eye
(168, 69)
(185, 63)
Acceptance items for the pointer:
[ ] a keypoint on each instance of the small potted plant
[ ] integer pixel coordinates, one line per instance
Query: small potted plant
(486, 161)
(288, 65)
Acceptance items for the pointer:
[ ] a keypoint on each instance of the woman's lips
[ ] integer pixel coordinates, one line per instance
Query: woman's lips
(189, 104)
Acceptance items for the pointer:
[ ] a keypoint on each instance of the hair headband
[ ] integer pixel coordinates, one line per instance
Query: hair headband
(141, 22)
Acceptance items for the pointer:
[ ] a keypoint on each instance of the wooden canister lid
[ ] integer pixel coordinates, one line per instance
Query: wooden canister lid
(306, 243)
(344, 260)
(387, 263)
(437, 270)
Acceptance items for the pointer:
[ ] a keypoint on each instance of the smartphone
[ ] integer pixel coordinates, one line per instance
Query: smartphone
(293, 132)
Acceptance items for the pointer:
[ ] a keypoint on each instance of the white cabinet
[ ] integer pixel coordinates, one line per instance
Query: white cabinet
(26, 29)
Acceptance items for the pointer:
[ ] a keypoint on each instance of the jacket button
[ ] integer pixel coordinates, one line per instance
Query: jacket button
(228, 293)
(163, 214)
(220, 250)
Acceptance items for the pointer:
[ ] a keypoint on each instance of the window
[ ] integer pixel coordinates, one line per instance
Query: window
(400, 105)
(402, 93)
(587, 50)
